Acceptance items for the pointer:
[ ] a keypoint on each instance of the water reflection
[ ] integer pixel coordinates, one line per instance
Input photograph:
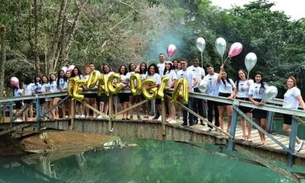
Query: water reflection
(150, 161)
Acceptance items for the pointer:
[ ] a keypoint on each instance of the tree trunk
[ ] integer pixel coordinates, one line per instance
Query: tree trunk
(53, 51)
(3, 59)
(68, 39)
(36, 54)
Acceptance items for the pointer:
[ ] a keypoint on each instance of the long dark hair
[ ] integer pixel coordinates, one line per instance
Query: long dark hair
(226, 79)
(58, 77)
(79, 72)
(262, 80)
(237, 82)
(170, 68)
(156, 68)
(40, 81)
(125, 72)
(143, 71)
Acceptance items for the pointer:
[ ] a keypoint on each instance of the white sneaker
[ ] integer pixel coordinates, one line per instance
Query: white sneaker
(172, 121)
(18, 120)
(99, 117)
(299, 146)
(77, 116)
(207, 129)
(82, 116)
(159, 118)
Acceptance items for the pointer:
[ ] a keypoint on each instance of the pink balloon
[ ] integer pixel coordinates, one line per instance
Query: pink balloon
(171, 49)
(71, 67)
(235, 49)
(14, 82)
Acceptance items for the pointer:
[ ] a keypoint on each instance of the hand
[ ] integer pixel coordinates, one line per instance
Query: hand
(222, 67)
(231, 97)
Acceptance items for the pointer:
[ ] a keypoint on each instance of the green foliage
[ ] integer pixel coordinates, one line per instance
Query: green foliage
(124, 31)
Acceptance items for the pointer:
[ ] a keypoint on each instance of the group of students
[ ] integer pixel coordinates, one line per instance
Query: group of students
(216, 84)
(41, 85)
(219, 84)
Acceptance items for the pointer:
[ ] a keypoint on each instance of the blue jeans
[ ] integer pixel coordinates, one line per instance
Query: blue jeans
(191, 116)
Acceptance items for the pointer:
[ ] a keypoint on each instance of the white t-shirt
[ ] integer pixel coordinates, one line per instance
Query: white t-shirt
(53, 87)
(257, 91)
(62, 84)
(188, 75)
(156, 77)
(199, 73)
(243, 88)
(226, 87)
(172, 76)
(45, 87)
(29, 89)
(161, 67)
(212, 87)
(290, 98)
(17, 92)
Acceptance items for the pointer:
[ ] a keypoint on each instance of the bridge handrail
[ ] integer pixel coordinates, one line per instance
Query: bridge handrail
(271, 106)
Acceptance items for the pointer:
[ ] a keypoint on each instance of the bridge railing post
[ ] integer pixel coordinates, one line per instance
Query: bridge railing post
(269, 121)
(232, 130)
(292, 141)
(37, 113)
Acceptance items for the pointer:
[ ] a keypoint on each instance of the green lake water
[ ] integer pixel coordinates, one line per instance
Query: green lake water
(149, 162)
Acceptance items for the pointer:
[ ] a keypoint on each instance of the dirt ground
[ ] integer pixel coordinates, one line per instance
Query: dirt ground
(48, 141)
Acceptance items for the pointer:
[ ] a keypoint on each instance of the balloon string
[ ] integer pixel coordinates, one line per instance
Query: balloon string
(201, 59)
(226, 60)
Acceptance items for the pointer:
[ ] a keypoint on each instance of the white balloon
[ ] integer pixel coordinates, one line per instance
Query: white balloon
(220, 45)
(269, 93)
(200, 43)
(64, 68)
(202, 86)
(250, 61)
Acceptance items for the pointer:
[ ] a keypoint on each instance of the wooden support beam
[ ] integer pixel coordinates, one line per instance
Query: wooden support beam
(14, 128)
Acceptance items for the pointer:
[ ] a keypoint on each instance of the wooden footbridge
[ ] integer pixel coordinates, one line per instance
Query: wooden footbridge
(277, 147)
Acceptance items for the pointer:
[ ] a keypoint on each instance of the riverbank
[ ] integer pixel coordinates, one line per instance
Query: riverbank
(51, 141)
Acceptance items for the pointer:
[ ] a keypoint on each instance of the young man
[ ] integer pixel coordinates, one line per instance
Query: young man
(192, 82)
(212, 89)
(198, 104)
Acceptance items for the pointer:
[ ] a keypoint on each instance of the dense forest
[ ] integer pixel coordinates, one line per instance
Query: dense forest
(41, 36)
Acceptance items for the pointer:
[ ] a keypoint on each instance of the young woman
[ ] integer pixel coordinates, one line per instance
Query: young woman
(241, 92)
(292, 100)
(143, 74)
(18, 104)
(68, 101)
(45, 88)
(169, 72)
(29, 89)
(256, 92)
(62, 86)
(175, 65)
(226, 87)
(124, 97)
(38, 90)
(54, 100)
(79, 108)
(153, 73)
(89, 98)
(104, 98)
(133, 99)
